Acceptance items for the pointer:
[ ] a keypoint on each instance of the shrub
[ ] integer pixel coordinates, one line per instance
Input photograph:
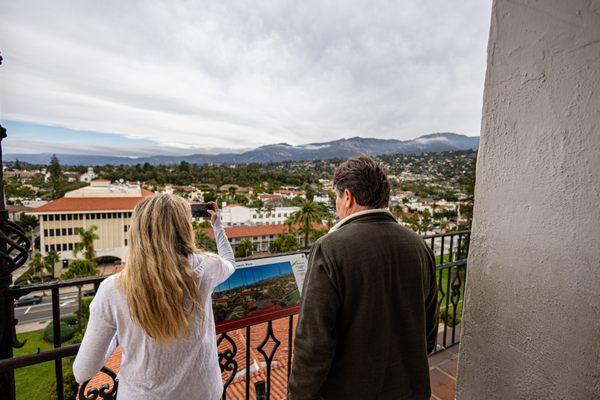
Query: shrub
(70, 320)
(70, 385)
(447, 316)
(66, 332)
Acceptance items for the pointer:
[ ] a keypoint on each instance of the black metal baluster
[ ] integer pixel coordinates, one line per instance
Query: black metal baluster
(445, 271)
(451, 251)
(269, 358)
(456, 287)
(248, 370)
(227, 361)
(56, 338)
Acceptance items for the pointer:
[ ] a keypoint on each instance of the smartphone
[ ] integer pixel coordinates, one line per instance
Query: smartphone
(200, 210)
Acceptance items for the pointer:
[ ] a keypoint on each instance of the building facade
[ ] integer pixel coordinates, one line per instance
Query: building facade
(236, 215)
(104, 205)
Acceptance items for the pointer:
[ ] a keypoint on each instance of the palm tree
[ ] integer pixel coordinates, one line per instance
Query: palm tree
(309, 213)
(245, 248)
(269, 210)
(86, 244)
(38, 267)
(51, 259)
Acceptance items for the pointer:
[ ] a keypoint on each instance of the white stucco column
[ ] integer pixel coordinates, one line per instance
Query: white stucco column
(532, 305)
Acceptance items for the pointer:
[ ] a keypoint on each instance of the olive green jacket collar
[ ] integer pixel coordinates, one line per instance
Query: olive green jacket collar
(358, 214)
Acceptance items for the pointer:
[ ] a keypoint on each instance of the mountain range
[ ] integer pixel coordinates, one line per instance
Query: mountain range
(341, 148)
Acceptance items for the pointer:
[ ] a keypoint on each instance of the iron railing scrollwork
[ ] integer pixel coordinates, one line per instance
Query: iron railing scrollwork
(227, 361)
(104, 392)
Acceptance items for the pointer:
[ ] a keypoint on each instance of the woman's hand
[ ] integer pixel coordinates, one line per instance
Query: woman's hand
(213, 212)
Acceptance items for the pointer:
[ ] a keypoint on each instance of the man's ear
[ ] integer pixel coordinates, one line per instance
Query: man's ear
(349, 198)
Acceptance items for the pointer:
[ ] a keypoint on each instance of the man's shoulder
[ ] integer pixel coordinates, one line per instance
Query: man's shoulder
(351, 233)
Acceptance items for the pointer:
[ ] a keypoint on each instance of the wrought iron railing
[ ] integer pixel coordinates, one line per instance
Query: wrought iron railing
(450, 250)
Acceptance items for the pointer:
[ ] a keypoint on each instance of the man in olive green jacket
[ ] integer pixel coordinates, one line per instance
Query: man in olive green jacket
(368, 317)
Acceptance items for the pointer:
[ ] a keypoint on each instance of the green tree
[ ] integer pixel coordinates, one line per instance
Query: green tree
(290, 243)
(38, 267)
(86, 244)
(284, 244)
(86, 267)
(245, 248)
(51, 259)
(276, 245)
(79, 268)
(204, 242)
(57, 180)
(309, 213)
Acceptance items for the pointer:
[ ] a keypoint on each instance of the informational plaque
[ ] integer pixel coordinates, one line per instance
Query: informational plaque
(260, 287)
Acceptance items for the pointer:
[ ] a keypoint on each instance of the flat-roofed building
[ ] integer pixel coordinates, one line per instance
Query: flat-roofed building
(236, 215)
(107, 206)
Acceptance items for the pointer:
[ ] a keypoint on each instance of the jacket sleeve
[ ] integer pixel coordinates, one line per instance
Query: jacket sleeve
(431, 303)
(315, 343)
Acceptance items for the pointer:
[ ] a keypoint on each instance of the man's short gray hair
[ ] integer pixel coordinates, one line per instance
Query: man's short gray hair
(365, 179)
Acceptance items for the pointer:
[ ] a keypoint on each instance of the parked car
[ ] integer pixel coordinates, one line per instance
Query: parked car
(89, 292)
(28, 301)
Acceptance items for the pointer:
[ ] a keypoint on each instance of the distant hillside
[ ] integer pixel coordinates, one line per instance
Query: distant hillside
(342, 148)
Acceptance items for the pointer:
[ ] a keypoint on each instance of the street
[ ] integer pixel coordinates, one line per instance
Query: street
(43, 311)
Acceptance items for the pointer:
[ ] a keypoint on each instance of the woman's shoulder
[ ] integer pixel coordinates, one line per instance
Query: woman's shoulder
(109, 290)
(201, 260)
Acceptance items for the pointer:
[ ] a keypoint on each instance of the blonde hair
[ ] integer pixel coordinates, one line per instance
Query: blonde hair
(160, 286)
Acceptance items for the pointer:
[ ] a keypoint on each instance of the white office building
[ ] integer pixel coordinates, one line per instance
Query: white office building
(236, 215)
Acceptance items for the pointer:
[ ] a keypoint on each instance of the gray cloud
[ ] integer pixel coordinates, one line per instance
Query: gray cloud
(241, 74)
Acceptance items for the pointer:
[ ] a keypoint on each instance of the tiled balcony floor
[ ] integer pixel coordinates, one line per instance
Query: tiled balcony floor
(442, 372)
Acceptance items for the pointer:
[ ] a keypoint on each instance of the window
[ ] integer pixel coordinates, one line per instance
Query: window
(52, 248)
(51, 217)
(253, 216)
(125, 241)
(46, 233)
(279, 215)
(119, 215)
(64, 247)
(75, 217)
(77, 231)
(103, 216)
(69, 231)
(44, 218)
(70, 246)
(69, 217)
(271, 236)
(47, 248)
(64, 231)
(51, 232)
(63, 217)
(125, 227)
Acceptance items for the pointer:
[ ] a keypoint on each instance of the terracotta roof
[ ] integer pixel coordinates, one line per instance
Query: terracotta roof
(17, 208)
(92, 203)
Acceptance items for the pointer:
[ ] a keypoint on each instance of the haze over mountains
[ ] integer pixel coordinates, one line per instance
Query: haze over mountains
(342, 148)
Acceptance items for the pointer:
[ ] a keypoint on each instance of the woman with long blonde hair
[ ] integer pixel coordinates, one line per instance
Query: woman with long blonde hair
(160, 308)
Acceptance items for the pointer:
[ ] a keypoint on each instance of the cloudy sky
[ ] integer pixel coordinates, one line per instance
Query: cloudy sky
(178, 77)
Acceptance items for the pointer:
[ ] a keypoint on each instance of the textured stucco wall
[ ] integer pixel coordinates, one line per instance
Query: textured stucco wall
(532, 309)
